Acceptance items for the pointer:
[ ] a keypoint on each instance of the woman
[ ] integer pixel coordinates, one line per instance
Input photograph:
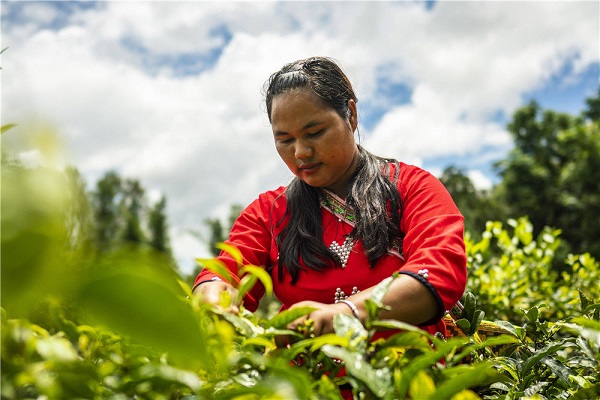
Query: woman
(348, 219)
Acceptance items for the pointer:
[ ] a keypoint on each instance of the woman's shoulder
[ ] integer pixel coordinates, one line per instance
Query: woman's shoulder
(269, 201)
(405, 172)
(267, 205)
(272, 195)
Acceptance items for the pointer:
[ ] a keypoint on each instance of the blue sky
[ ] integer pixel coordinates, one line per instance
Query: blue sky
(170, 92)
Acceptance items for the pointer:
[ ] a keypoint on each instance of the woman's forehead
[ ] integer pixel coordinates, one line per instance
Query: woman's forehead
(298, 109)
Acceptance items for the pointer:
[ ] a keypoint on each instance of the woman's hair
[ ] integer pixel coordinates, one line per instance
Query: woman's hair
(371, 194)
(319, 74)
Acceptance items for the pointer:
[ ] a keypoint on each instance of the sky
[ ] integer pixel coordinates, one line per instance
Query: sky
(170, 92)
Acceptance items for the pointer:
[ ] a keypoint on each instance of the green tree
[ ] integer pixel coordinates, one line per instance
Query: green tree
(553, 174)
(106, 210)
(123, 215)
(159, 229)
(593, 108)
(477, 206)
(133, 207)
(217, 231)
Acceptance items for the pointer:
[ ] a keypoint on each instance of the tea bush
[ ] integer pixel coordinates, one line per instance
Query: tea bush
(121, 325)
(510, 271)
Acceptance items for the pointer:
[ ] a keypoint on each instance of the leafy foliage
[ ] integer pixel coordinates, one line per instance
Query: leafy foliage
(511, 270)
(122, 326)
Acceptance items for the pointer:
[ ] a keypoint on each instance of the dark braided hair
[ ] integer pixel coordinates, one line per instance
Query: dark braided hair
(371, 194)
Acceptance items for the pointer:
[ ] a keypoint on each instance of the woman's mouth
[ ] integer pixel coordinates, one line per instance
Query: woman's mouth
(309, 168)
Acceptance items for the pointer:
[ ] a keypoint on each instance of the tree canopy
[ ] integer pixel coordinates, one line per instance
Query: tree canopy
(552, 176)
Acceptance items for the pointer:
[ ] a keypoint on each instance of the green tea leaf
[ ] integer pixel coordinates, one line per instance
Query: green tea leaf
(171, 374)
(395, 324)
(469, 306)
(546, 351)
(259, 341)
(245, 327)
(261, 274)
(532, 314)
(6, 127)
(149, 312)
(421, 386)
(379, 291)
(407, 340)
(559, 369)
(329, 339)
(461, 378)
(477, 319)
(284, 318)
(246, 284)
(348, 326)
(507, 326)
(377, 380)
(232, 251)
(464, 325)
(217, 267)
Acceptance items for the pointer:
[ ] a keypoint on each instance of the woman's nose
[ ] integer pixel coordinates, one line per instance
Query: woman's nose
(302, 151)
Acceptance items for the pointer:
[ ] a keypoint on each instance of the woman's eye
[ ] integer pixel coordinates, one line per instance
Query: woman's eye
(285, 141)
(316, 133)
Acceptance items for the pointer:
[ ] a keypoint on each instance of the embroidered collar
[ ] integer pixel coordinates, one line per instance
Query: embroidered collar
(339, 208)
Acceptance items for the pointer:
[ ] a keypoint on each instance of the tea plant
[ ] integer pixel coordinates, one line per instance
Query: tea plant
(510, 270)
(123, 325)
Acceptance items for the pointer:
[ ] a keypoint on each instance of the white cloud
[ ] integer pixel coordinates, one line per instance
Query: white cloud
(107, 79)
(480, 181)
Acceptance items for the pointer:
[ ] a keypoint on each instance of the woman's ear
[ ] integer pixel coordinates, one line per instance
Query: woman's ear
(353, 117)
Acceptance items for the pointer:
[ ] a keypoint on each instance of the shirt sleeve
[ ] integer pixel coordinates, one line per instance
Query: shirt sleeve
(433, 245)
(251, 236)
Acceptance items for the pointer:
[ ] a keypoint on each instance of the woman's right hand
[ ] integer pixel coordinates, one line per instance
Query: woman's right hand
(211, 292)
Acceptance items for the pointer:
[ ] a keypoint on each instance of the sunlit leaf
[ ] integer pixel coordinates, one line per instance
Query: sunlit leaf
(466, 395)
(232, 251)
(56, 349)
(546, 351)
(348, 326)
(409, 340)
(395, 324)
(172, 374)
(329, 339)
(6, 127)
(149, 312)
(216, 266)
(262, 275)
(421, 386)
(245, 327)
(380, 290)
(461, 378)
(284, 318)
(377, 380)
(259, 341)
(246, 284)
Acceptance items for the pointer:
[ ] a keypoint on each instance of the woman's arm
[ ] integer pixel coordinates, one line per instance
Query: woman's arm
(251, 236)
(409, 301)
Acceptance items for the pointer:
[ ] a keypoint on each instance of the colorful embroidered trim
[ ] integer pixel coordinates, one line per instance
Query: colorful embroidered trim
(339, 208)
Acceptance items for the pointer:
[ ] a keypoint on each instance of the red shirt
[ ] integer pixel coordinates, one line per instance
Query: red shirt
(433, 241)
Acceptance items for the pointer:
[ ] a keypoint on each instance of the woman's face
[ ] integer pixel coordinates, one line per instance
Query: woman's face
(316, 144)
